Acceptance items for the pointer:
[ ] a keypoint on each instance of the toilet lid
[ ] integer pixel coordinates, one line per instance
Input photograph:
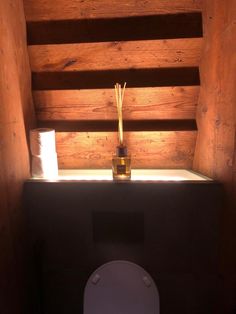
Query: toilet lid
(121, 287)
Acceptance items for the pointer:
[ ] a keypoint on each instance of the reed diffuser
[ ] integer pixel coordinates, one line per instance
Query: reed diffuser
(121, 162)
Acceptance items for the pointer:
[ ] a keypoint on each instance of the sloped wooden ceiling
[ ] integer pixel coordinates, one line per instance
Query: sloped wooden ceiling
(79, 49)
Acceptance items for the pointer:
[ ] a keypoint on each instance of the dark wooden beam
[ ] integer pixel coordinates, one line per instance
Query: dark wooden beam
(106, 79)
(115, 29)
(129, 125)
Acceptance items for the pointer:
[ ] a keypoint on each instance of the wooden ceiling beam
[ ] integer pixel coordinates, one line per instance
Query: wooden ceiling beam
(38, 10)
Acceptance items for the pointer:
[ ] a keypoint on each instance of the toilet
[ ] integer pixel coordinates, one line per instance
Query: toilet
(121, 287)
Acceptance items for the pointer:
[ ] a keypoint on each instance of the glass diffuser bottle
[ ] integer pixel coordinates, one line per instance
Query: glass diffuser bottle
(121, 162)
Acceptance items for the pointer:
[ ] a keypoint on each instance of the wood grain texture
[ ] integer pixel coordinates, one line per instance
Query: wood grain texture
(216, 110)
(16, 115)
(115, 29)
(148, 149)
(38, 10)
(116, 55)
(99, 104)
(216, 118)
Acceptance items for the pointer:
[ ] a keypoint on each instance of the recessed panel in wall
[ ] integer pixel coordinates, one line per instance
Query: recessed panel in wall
(119, 227)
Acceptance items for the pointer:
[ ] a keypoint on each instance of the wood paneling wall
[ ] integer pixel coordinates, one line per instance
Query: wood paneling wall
(79, 49)
(215, 153)
(145, 54)
(16, 116)
(168, 149)
(41, 10)
(98, 104)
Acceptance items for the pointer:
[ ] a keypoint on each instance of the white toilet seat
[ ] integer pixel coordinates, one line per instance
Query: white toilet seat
(121, 287)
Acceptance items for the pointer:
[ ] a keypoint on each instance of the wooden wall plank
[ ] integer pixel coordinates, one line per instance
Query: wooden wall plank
(37, 10)
(148, 149)
(116, 55)
(116, 29)
(16, 116)
(216, 111)
(99, 104)
(215, 153)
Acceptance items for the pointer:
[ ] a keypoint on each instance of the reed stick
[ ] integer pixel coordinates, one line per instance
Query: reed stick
(119, 103)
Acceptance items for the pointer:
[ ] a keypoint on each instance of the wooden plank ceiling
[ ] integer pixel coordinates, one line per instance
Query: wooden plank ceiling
(79, 49)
